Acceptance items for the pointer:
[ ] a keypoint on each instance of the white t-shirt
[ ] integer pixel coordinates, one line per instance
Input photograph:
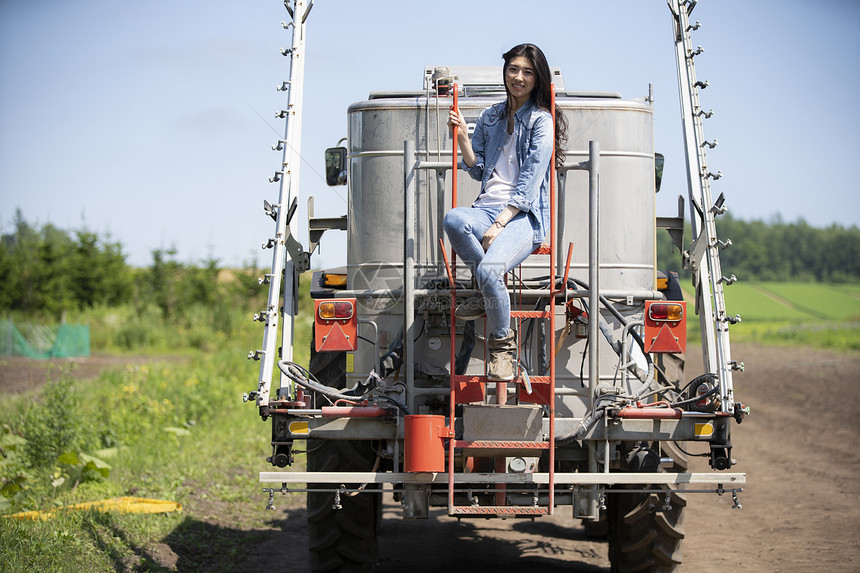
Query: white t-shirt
(502, 183)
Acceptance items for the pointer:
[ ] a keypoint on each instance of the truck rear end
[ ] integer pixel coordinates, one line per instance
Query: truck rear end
(395, 400)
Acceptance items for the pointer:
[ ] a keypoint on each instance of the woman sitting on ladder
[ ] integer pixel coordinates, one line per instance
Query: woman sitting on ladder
(510, 154)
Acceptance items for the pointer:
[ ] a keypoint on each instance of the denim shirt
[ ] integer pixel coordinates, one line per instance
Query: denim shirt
(534, 135)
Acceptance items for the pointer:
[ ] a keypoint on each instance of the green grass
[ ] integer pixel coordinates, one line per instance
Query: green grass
(756, 304)
(131, 411)
(797, 314)
(169, 431)
(817, 300)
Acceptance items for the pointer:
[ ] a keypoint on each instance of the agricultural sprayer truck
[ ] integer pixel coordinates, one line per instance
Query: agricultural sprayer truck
(395, 399)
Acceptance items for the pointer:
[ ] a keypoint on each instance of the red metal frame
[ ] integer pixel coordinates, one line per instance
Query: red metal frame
(543, 387)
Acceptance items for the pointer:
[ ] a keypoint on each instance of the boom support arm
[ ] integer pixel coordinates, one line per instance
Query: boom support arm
(703, 260)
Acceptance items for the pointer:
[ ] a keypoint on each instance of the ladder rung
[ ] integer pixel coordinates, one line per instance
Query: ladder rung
(530, 313)
(498, 510)
(488, 448)
(502, 444)
(471, 379)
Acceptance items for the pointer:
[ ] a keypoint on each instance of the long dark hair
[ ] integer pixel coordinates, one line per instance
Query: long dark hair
(540, 95)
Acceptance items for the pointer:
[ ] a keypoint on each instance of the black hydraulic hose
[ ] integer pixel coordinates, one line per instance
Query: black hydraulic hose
(305, 379)
(400, 405)
(645, 377)
(588, 422)
(582, 365)
(710, 392)
(709, 377)
(393, 359)
(611, 308)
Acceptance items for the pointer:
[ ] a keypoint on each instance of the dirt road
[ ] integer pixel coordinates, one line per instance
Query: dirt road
(19, 374)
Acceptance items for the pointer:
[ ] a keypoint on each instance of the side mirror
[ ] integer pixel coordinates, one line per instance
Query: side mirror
(335, 166)
(659, 160)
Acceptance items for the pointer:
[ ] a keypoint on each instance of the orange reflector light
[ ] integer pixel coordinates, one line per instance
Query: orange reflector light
(336, 310)
(666, 312)
(334, 280)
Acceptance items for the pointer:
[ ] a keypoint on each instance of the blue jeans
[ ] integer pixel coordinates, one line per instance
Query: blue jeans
(465, 227)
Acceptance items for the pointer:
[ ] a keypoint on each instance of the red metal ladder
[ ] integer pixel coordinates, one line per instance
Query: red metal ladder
(470, 388)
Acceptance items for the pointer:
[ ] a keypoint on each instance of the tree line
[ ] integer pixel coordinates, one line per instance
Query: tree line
(777, 250)
(45, 271)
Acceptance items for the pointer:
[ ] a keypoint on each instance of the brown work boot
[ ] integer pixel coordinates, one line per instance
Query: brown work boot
(503, 363)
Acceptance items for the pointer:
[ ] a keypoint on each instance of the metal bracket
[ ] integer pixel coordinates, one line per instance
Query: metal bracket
(270, 505)
(718, 207)
(667, 503)
(319, 225)
(300, 258)
(675, 225)
(270, 209)
(696, 253)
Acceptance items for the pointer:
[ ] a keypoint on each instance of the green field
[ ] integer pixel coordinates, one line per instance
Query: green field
(822, 315)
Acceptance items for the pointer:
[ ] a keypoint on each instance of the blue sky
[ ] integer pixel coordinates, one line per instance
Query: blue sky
(153, 121)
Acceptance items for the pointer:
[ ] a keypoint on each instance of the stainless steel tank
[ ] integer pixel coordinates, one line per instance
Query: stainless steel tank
(624, 129)
(378, 128)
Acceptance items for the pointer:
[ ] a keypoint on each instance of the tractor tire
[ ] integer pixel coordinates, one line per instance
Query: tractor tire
(340, 540)
(644, 537)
